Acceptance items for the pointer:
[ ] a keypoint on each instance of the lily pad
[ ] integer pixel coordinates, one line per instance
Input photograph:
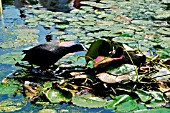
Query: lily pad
(7, 89)
(11, 44)
(142, 22)
(127, 106)
(164, 31)
(62, 26)
(27, 35)
(47, 111)
(10, 106)
(57, 95)
(143, 95)
(11, 58)
(88, 101)
(117, 100)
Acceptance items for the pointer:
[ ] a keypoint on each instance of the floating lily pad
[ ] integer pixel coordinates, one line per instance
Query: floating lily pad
(88, 101)
(124, 69)
(165, 41)
(10, 106)
(127, 106)
(143, 95)
(117, 100)
(12, 44)
(142, 22)
(57, 33)
(27, 35)
(46, 23)
(62, 26)
(11, 58)
(68, 37)
(47, 111)
(164, 31)
(124, 39)
(7, 89)
(57, 95)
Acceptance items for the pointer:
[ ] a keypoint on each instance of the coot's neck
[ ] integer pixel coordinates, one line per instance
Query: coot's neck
(61, 51)
(75, 48)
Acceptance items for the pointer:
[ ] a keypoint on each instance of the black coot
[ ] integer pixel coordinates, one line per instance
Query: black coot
(45, 55)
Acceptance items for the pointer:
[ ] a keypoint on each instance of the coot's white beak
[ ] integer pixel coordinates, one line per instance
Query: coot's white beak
(85, 49)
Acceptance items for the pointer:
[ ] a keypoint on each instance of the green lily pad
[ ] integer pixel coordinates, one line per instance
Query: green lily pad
(55, 95)
(143, 95)
(165, 41)
(127, 106)
(7, 89)
(164, 31)
(86, 8)
(68, 37)
(88, 101)
(124, 39)
(46, 24)
(117, 100)
(47, 85)
(157, 95)
(155, 103)
(125, 69)
(11, 44)
(11, 58)
(10, 106)
(57, 33)
(27, 35)
(142, 22)
(62, 26)
(47, 111)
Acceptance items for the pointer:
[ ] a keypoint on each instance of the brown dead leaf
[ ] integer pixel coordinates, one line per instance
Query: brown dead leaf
(122, 18)
(115, 8)
(107, 78)
(164, 88)
(146, 68)
(29, 91)
(156, 59)
(151, 37)
(166, 61)
(78, 75)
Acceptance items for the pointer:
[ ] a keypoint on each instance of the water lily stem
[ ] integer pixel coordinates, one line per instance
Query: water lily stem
(136, 71)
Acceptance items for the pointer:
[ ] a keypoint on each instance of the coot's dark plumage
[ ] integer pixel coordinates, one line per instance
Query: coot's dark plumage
(47, 54)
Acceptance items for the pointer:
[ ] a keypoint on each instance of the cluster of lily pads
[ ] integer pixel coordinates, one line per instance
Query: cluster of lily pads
(128, 88)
